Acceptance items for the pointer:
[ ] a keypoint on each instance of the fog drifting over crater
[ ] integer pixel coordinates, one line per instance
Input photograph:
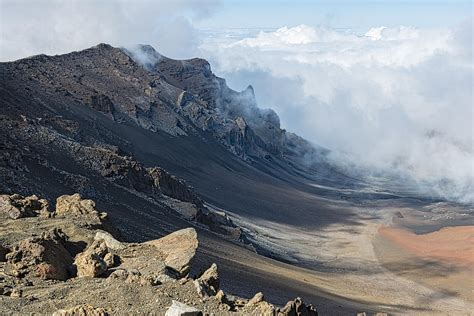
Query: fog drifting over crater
(395, 100)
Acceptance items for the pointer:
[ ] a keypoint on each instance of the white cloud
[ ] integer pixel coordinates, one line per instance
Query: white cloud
(31, 27)
(399, 99)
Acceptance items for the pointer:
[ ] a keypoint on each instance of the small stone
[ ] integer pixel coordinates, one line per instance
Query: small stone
(82, 310)
(258, 298)
(16, 293)
(221, 297)
(180, 309)
(5, 290)
(109, 260)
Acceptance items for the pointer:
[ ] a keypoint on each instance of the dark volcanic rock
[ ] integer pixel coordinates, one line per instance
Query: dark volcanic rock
(173, 186)
(102, 103)
(3, 252)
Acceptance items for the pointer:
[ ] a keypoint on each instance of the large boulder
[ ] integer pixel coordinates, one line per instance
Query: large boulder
(45, 257)
(208, 283)
(178, 249)
(91, 262)
(17, 206)
(142, 263)
(74, 204)
(82, 310)
(180, 309)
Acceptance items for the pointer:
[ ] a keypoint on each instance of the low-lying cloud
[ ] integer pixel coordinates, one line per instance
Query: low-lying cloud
(392, 99)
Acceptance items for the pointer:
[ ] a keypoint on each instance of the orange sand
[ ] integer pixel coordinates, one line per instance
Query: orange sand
(454, 245)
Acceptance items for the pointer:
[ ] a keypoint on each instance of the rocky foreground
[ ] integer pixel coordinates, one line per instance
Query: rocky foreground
(67, 261)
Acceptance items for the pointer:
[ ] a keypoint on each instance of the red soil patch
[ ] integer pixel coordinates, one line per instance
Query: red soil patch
(454, 245)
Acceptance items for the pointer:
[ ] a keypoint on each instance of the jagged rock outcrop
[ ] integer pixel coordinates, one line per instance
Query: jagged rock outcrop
(45, 257)
(17, 206)
(114, 271)
(173, 186)
(103, 104)
(174, 96)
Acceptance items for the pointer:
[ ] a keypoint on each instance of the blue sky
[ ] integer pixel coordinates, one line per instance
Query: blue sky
(337, 14)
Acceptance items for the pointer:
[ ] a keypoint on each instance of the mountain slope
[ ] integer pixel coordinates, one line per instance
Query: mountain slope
(125, 134)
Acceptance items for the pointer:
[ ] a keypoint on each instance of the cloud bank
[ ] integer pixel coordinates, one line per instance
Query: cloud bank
(30, 27)
(396, 100)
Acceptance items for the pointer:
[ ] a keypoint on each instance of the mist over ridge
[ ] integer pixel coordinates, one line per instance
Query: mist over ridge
(395, 103)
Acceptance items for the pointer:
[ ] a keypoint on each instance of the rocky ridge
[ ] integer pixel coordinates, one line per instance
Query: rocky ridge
(66, 264)
(109, 163)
